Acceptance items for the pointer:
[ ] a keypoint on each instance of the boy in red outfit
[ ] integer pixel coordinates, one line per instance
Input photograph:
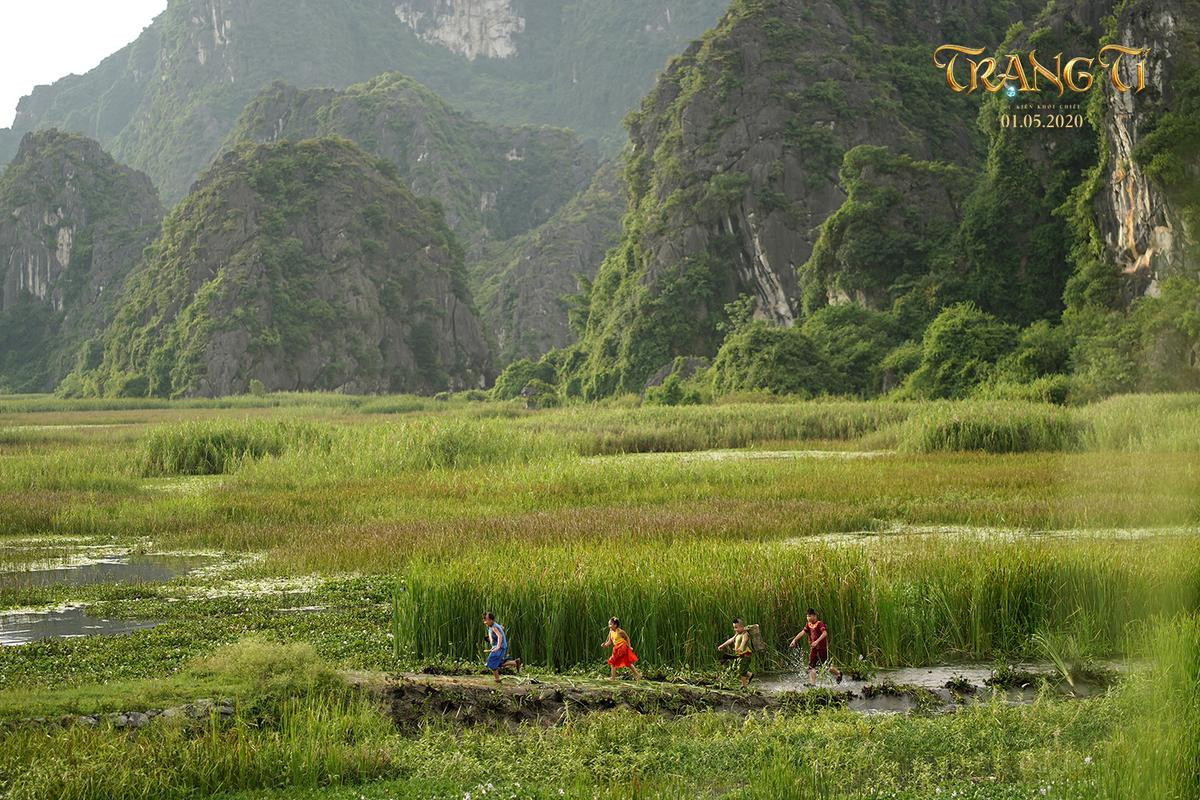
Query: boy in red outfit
(818, 647)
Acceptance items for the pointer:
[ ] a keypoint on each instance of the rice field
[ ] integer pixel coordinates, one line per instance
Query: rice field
(371, 533)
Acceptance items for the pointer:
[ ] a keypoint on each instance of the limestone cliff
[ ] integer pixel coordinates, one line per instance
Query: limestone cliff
(1013, 250)
(734, 165)
(73, 223)
(505, 192)
(306, 266)
(1149, 198)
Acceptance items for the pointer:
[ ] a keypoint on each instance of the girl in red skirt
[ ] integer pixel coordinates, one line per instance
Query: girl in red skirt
(622, 654)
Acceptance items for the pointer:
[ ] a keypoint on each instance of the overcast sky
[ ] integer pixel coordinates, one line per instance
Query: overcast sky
(44, 40)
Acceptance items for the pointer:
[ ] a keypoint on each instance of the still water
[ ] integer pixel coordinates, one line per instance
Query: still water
(23, 627)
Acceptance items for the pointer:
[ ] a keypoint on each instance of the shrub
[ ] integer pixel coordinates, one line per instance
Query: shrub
(960, 349)
(672, 392)
(271, 671)
(540, 394)
(854, 342)
(899, 364)
(1042, 349)
(1169, 328)
(517, 375)
(779, 360)
(135, 386)
(1054, 389)
(1102, 360)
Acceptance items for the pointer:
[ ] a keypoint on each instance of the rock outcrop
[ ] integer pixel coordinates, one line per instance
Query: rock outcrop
(73, 224)
(304, 266)
(473, 28)
(505, 192)
(525, 284)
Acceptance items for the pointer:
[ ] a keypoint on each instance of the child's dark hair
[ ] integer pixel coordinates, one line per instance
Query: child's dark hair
(614, 621)
(811, 611)
(489, 616)
(738, 621)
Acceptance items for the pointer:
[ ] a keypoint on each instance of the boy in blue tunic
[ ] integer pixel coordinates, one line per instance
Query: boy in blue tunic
(498, 647)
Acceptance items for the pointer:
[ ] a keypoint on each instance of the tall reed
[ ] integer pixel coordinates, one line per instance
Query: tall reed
(215, 448)
(1157, 752)
(992, 427)
(905, 600)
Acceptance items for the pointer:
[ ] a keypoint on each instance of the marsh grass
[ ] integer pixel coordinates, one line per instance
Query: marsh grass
(258, 674)
(92, 468)
(379, 451)
(591, 431)
(1143, 423)
(316, 741)
(484, 505)
(341, 750)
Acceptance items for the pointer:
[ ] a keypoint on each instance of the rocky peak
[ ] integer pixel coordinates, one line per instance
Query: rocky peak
(73, 223)
(494, 181)
(526, 284)
(212, 28)
(307, 266)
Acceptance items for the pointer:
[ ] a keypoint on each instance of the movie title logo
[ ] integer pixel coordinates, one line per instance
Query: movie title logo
(966, 72)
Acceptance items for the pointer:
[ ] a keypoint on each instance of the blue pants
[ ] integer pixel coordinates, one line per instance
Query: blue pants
(496, 660)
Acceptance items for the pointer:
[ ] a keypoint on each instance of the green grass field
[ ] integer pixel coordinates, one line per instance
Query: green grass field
(367, 534)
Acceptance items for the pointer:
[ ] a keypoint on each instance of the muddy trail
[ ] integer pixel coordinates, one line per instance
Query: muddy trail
(413, 700)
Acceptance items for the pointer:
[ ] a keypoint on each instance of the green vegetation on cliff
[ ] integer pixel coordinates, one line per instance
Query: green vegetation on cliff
(1017, 224)
(494, 182)
(301, 266)
(734, 161)
(519, 198)
(893, 232)
(1014, 251)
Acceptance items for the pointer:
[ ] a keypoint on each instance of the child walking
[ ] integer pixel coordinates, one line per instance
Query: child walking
(622, 653)
(818, 647)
